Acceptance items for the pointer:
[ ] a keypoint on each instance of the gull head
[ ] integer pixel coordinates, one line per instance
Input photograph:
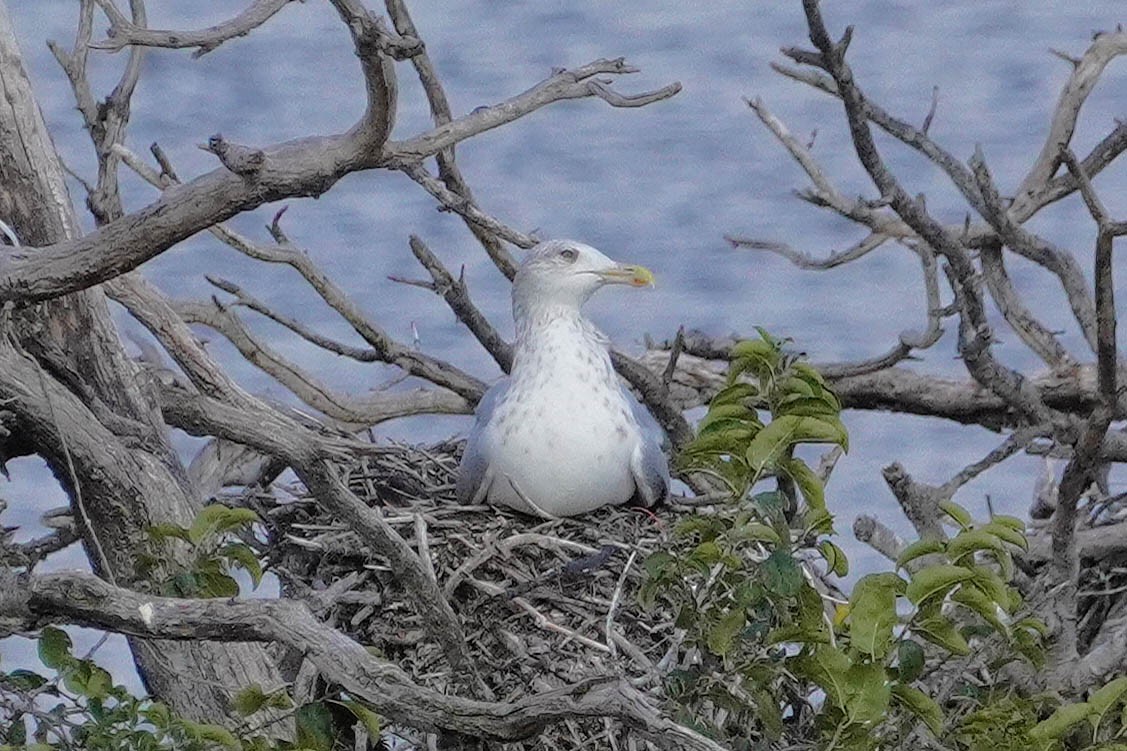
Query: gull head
(566, 273)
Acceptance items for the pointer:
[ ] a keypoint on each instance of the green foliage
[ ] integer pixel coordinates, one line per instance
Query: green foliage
(770, 660)
(80, 707)
(216, 549)
(85, 709)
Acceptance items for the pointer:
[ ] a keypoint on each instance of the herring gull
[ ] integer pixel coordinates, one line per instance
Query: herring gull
(561, 435)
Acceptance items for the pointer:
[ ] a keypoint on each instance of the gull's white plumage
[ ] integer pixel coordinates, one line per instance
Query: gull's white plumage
(561, 436)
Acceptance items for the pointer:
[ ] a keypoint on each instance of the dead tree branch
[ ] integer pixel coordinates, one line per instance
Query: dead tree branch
(123, 33)
(304, 167)
(83, 599)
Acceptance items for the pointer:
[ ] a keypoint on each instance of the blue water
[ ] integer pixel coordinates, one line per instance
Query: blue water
(658, 186)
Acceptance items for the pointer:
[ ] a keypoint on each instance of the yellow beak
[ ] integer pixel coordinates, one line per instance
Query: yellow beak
(635, 276)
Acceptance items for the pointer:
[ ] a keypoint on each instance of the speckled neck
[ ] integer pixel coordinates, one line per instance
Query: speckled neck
(558, 334)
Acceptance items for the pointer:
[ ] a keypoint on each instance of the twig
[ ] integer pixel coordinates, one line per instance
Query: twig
(614, 600)
(456, 295)
(122, 33)
(84, 599)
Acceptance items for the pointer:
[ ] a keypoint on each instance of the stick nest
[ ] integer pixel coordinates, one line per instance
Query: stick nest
(542, 603)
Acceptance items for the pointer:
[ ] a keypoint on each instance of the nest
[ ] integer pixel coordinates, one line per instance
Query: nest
(542, 603)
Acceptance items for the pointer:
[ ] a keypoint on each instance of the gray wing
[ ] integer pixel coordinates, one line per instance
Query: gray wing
(471, 472)
(649, 465)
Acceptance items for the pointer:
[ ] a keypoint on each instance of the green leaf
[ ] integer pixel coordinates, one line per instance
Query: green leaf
(818, 522)
(921, 705)
(370, 719)
(214, 733)
(768, 712)
(734, 394)
(54, 648)
(867, 692)
(1008, 521)
(720, 440)
(919, 549)
(99, 683)
(815, 405)
(977, 601)
(770, 504)
(872, 614)
(167, 530)
(1006, 533)
(657, 563)
(725, 413)
(24, 680)
(708, 527)
(937, 629)
(826, 666)
(934, 582)
(216, 519)
(705, 554)
(723, 634)
(249, 700)
(771, 443)
(997, 590)
(17, 732)
(836, 562)
(1103, 699)
(781, 573)
(212, 584)
(959, 514)
(314, 727)
(810, 374)
(241, 555)
(807, 481)
(754, 531)
(158, 714)
(970, 541)
(1060, 721)
(760, 355)
(910, 659)
(77, 675)
(799, 633)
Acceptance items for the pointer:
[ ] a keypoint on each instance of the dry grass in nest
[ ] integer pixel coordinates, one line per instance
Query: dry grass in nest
(531, 620)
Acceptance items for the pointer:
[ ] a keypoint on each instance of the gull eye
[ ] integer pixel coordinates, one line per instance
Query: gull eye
(569, 254)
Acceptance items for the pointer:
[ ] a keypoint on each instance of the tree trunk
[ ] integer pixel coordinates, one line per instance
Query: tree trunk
(77, 400)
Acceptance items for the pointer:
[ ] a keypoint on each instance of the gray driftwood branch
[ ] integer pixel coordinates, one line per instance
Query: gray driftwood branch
(32, 601)
(303, 167)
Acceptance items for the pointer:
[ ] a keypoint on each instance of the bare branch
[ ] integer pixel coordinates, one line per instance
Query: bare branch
(655, 396)
(1103, 154)
(153, 310)
(369, 37)
(304, 167)
(448, 170)
(1035, 334)
(562, 85)
(308, 453)
(122, 33)
(1105, 48)
(975, 338)
(872, 532)
(805, 261)
(83, 599)
(895, 127)
(919, 501)
(466, 208)
(384, 348)
(352, 410)
(1030, 246)
(457, 296)
(1015, 442)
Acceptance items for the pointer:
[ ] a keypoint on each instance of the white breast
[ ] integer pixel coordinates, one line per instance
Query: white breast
(562, 439)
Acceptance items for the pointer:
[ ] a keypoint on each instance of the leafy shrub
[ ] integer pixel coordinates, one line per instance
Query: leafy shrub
(771, 655)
